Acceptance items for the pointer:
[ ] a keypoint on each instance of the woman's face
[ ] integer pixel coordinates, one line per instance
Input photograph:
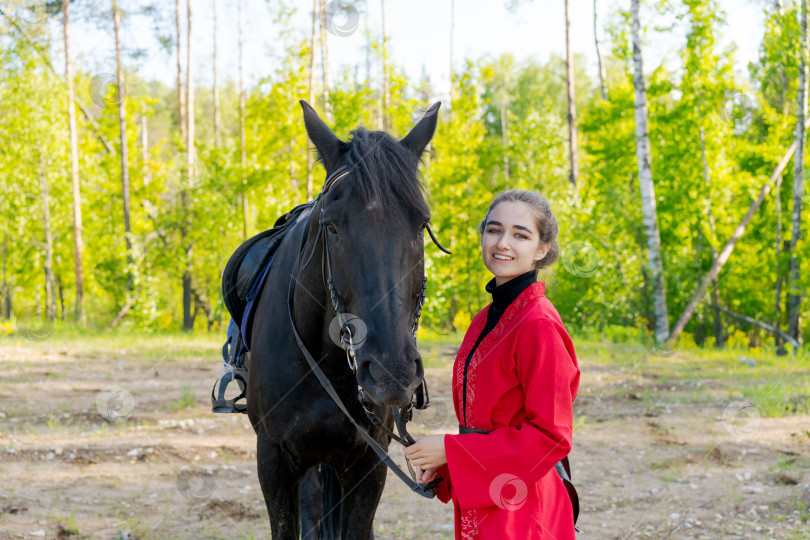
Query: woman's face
(511, 242)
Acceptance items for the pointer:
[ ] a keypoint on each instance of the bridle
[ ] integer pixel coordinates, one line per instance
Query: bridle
(402, 415)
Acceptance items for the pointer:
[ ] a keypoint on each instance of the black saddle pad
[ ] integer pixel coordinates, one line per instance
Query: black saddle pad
(249, 259)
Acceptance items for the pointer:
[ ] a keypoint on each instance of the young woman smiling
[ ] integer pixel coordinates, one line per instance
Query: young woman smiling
(514, 382)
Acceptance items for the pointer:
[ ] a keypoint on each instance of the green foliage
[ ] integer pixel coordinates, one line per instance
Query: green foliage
(715, 140)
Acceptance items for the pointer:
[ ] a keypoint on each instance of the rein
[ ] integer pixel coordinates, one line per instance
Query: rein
(401, 415)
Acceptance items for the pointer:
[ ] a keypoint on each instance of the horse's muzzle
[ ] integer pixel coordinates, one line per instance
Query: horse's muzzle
(389, 383)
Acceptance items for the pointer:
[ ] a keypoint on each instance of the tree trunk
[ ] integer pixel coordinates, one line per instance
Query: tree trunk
(216, 81)
(291, 148)
(188, 319)
(325, 63)
(452, 45)
(602, 74)
(310, 160)
(147, 177)
(6, 290)
(181, 95)
(572, 107)
(50, 289)
(242, 137)
(122, 133)
(368, 49)
(725, 253)
(645, 179)
(190, 117)
(504, 140)
(386, 104)
(718, 319)
(61, 294)
(78, 245)
(795, 287)
(779, 271)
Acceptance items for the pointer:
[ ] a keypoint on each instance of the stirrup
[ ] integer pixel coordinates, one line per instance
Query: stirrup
(221, 405)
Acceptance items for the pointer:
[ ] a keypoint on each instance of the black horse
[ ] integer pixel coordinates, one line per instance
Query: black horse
(370, 222)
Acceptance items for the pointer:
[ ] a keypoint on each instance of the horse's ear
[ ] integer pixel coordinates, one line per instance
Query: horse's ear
(326, 142)
(422, 132)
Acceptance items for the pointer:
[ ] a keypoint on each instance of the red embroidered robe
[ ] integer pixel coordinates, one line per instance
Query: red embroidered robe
(521, 384)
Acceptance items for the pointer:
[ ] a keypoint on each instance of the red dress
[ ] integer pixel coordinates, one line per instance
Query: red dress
(521, 384)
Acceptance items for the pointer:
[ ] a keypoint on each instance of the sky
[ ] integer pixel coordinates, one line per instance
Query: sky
(418, 30)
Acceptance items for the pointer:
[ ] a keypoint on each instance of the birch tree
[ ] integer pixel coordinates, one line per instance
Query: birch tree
(572, 108)
(78, 245)
(216, 80)
(50, 289)
(312, 39)
(122, 133)
(601, 67)
(242, 138)
(188, 317)
(386, 77)
(795, 288)
(181, 96)
(644, 161)
(325, 62)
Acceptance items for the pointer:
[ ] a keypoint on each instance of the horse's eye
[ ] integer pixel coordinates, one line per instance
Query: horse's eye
(331, 229)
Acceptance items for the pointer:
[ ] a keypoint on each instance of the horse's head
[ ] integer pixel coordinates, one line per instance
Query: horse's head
(371, 223)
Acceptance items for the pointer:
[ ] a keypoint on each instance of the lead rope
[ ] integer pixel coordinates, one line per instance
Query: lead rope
(426, 490)
(401, 415)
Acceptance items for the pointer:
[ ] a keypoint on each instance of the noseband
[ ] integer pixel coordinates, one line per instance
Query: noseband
(347, 333)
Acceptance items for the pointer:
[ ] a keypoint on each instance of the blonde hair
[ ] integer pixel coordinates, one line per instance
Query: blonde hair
(544, 220)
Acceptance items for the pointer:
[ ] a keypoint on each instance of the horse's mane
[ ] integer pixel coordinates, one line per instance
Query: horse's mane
(384, 171)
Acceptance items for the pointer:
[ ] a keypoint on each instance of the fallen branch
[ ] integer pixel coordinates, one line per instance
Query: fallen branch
(761, 324)
(721, 259)
(124, 310)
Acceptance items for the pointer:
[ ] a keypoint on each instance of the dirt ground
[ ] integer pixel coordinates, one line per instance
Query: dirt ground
(120, 442)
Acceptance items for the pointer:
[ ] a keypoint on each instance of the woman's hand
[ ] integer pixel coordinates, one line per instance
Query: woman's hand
(427, 453)
(425, 476)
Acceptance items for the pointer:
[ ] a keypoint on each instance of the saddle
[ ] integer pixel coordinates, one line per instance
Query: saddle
(250, 259)
(242, 281)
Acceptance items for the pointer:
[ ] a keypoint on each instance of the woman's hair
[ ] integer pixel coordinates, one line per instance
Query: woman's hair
(544, 220)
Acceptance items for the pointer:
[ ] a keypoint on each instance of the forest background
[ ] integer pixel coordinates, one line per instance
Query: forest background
(678, 185)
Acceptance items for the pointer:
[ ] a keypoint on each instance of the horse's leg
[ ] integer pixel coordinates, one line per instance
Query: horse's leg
(280, 486)
(311, 504)
(362, 487)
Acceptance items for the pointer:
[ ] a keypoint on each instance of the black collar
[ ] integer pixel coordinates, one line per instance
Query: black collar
(505, 294)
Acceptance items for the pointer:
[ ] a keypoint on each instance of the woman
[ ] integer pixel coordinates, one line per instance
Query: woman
(514, 381)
